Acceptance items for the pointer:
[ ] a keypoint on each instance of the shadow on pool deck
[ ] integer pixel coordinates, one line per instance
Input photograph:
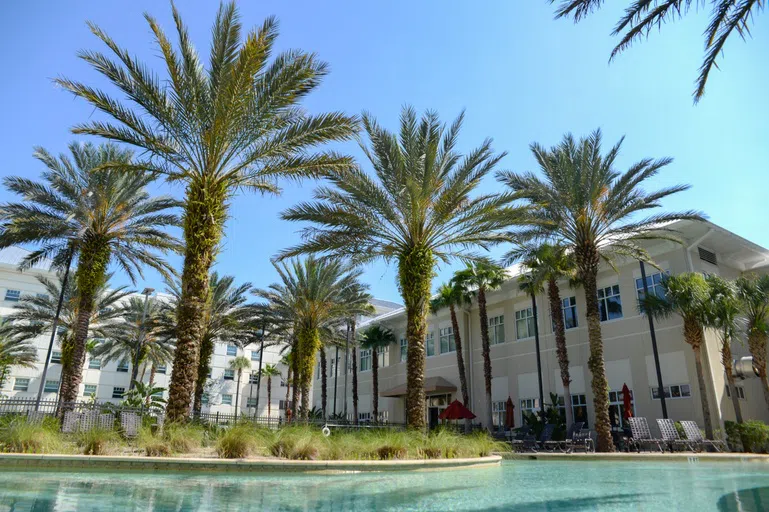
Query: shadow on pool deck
(755, 499)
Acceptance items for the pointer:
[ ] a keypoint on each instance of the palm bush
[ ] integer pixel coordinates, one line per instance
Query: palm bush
(235, 125)
(376, 338)
(270, 371)
(416, 209)
(15, 352)
(753, 292)
(238, 365)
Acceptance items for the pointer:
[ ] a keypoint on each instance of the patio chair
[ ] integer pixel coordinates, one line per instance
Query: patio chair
(71, 422)
(670, 435)
(523, 440)
(694, 436)
(642, 436)
(561, 445)
(545, 438)
(581, 440)
(130, 423)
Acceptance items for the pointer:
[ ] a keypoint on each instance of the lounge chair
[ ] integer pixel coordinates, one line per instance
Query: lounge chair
(671, 437)
(523, 440)
(694, 436)
(581, 440)
(545, 438)
(642, 436)
(561, 445)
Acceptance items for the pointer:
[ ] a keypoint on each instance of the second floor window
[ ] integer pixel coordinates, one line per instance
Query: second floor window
(232, 350)
(226, 399)
(447, 340)
(123, 367)
(56, 357)
(569, 308)
(653, 283)
(404, 349)
(229, 374)
(253, 378)
(496, 330)
(609, 303)
(161, 369)
(94, 364)
(255, 355)
(365, 360)
(524, 323)
(12, 295)
(51, 386)
(430, 342)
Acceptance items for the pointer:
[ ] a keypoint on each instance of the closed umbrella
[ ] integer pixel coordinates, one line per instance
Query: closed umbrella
(626, 401)
(509, 414)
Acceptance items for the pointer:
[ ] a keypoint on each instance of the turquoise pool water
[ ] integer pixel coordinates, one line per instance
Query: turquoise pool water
(523, 485)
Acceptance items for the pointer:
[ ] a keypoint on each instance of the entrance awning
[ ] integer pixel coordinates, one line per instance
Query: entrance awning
(433, 385)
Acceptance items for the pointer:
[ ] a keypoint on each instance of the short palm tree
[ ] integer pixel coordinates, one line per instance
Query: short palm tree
(310, 295)
(452, 296)
(642, 16)
(725, 317)
(688, 296)
(547, 264)
(15, 352)
(239, 364)
(477, 279)
(270, 371)
(106, 217)
(592, 208)
(236, 125)
(376, 339)
(416, 209)
(753, 292)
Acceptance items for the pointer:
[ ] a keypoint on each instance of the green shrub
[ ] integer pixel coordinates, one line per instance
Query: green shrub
(17, 435)
(301, 443)
(752, 435)
(97, 441)
(183, 438)
(240, 441)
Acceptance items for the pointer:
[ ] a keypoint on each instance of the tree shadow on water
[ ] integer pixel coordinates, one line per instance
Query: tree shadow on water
(755, 499)
(586, 503)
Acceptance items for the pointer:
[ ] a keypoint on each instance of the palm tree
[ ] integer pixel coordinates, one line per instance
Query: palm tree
(451, 295)
(376, 339)
(725, 311)
(311, 297)
(15, 352)
(641, 17)
(358, 303)
(547, 264)
(270, 371)
(753, 292)
(138, 331)
(592, 208)
(105, 217)
(686, 295)
(286, 361)
(477, 279)
(238, 364)
(235, 126)
(416, 210)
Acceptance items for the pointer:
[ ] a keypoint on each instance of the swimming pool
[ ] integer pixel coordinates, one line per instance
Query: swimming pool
(514, 485)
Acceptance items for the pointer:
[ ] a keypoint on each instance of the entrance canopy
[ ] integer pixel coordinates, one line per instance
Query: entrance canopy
(432, 385)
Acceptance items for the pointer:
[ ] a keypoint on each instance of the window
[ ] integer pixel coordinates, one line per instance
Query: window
(708, 256)
(12, 295)
(232, 350)
(253, 378)
(317, 370)
(229, 374)
(282, 383)
(530, 405)
(226, 399)
(447, 340)
(51, 386)
(430, 343)
(94, 364)
(89, 390)
(251, 402)
(653, 282)
(364, 417)
(332, 367)
(524, 324)
(210, 372)
(617, 408)
(117, 392)
(255, 355)
(365, 360)
(498, 412)
(381, 351)
(578, 408)
(609, 303)
(161, 369)
(569, 308)
(283, 403)
(496, 330)
(204, 399)
(123, 367)
(404, 349)
(56, 357)
(674, 391)
(20, 384)
(740, 392)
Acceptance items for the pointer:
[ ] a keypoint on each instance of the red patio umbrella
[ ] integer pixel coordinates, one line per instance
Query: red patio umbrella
(456, 411)
(626, 401)
(509, 414)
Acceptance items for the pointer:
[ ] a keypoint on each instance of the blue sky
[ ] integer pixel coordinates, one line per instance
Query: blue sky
(520, 75)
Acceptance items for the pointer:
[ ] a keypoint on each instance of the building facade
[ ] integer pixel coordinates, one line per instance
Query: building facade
(628, 351)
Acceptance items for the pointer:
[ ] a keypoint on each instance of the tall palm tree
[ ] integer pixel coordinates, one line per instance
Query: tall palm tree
(451, 295)
(588, 205)
(136, 333)
(270, 371)
(686, 295)
(310, 295)
(642, 16)
(376, 338)
(15, 352)
(235, 125)
(478, 279)
(238, 364)
(105, 217)
(549, 263)
(286, 361)
(725, 317)
(753, 292)
(417, 209)
(358, 304)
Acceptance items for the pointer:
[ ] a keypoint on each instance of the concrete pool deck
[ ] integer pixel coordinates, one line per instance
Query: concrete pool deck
(644, 456)
(23, 461)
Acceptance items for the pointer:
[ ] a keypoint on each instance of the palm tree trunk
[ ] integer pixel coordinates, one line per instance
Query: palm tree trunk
(204, 365)
(203, 220)
(757, 346)
(144, 371)
(309, 343)
(269, 396)
(415, 271)
(295, 365)
(695, 337)
(556, 313)
(237, 394)
(288, 388)
(354, 384)
(484, 319)
(375, 384)
(323, 382)
(588, 265)
(726, 360)
(460, 363)
(91, 272)
(153, 372)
